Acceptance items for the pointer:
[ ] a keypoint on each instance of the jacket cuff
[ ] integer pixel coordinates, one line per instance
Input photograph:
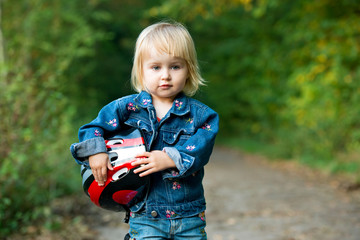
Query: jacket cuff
(81, 151)
(181, 164)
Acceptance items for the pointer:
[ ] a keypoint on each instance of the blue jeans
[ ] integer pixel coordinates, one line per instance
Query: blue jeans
(142, 227)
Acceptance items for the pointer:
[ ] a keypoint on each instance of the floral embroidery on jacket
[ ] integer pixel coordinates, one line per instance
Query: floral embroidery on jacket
(190, 148)
(189, 120)
(178, 104)
(132, 107)
(170, 214)
(134, 233)
(202, 215)
(97, 133)
(176, 185)
(174, 173)
(112, 122)
(206, 127)
(202, 231)
(146, 101)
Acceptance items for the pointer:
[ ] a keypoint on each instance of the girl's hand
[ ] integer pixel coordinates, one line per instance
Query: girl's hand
(151, 162)
(99, 163)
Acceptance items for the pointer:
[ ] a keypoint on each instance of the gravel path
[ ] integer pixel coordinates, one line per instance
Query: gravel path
(251, 199)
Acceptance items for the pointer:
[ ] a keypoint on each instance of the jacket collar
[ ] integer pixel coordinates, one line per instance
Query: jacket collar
(180, 105)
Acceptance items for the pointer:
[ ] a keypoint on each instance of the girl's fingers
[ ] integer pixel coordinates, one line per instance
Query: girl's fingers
(144, 170)
(100, 175)
(99, 163)
(140, 160)
(109, 166)
(142, 155)
(148, 172)
(142, 167)
(103, 173)
(96, 176)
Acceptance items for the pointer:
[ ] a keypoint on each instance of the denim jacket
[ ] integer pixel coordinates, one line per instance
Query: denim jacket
(186, 133)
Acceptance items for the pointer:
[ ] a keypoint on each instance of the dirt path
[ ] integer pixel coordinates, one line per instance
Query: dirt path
(249, 199)
(253, 200)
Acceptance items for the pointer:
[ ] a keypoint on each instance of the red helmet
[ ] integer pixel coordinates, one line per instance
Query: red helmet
(122, 184)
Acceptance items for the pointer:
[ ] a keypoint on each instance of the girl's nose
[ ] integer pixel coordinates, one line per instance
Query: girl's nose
(165, 75)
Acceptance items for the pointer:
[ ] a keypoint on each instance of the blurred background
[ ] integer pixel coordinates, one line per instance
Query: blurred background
(283, 75)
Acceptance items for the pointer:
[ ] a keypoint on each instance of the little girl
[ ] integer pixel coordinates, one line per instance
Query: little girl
(179, 133)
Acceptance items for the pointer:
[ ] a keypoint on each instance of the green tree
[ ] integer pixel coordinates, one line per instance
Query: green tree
(36, 114)
(286, 71)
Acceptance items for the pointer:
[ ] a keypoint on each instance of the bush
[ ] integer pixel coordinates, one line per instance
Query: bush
(36, 112)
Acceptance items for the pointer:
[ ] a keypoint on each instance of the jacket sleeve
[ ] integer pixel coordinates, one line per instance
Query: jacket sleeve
(91, 135)
(195, 153)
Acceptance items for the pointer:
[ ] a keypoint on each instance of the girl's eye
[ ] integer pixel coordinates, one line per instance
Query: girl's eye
(155, 68)
(175, 67)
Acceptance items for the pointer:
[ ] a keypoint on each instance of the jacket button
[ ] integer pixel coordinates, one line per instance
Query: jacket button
(154, 213)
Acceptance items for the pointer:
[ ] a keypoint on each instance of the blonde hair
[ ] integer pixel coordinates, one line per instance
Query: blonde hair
(173, 39)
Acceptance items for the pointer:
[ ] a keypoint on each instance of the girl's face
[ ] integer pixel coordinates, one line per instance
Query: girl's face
(164, 76)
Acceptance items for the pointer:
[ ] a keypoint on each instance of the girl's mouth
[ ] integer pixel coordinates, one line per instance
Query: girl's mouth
(165, 86)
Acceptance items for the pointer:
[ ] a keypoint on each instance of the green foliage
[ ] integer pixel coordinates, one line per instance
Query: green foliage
(286, 72)
(36, 114)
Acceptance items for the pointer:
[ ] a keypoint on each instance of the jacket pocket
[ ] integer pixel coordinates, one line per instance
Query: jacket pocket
(139, 124)
(179, 138)
(143, 127)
